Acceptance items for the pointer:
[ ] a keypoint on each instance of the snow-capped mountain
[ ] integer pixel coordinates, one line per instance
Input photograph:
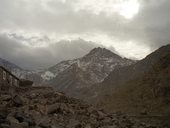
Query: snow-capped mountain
(71, 75)
(80, 73)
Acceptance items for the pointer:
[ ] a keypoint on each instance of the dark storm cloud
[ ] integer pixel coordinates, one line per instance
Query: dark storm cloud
(154, 20)
(150, 27)
(33, 58)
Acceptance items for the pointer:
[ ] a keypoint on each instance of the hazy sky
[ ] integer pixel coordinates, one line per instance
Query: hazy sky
(40, 33)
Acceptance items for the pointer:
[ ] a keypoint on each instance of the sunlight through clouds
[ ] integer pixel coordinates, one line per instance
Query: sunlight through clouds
(126, 8)
(129, 9)
(133, 27)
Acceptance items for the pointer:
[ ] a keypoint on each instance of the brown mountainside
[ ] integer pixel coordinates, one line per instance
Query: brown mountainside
(141, 88)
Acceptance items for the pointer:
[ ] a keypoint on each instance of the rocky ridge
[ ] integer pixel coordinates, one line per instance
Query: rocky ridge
(43, 107)
(75, 75)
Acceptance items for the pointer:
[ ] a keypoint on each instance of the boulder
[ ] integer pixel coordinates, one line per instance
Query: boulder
(17, 101)
(12, 120)
(45, 123)
(5, 97)
(22, 118)
(16, 125)
(51, 109)
(4, 125)
(74, 124)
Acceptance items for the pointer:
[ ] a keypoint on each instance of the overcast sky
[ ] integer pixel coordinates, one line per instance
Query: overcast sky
(40, 33)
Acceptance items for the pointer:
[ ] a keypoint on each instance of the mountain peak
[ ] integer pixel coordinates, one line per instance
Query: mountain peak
(99, 49)
(102, 52)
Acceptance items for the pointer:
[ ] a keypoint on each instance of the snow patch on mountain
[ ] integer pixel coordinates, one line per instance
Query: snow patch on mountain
(48, 75)
(84, 72)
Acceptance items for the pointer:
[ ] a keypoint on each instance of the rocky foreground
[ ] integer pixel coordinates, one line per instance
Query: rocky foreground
(43, 107)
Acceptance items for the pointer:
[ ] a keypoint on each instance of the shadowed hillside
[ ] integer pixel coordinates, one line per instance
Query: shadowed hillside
(143, 88)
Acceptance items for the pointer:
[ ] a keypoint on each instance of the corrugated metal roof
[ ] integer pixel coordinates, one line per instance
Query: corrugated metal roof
(9, 72)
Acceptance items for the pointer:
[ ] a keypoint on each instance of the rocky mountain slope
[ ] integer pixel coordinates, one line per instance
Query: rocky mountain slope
(43, 107)
(140, 88)
(74, 75)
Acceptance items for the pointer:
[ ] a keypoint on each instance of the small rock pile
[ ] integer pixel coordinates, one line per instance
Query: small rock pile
(43, 107)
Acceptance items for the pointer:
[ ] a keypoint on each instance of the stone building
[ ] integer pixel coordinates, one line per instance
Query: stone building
(8, 80)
